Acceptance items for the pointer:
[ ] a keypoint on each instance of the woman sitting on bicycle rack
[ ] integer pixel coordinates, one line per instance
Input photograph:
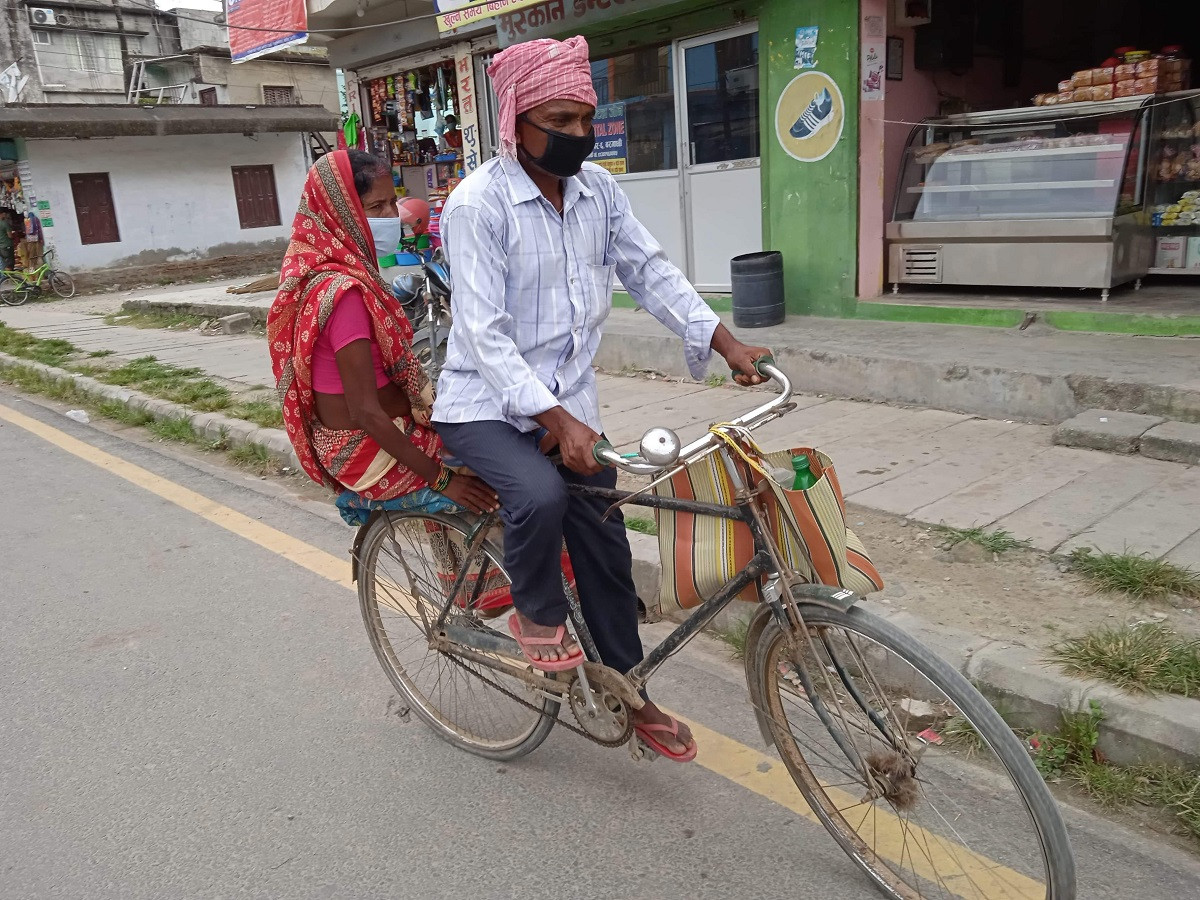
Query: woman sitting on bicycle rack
(534, 239)
(355, 400)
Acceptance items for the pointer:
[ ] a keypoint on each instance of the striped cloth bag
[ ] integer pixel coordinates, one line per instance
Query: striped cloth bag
(701, 553)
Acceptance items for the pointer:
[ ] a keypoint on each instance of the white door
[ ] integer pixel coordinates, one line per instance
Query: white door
(717, 95)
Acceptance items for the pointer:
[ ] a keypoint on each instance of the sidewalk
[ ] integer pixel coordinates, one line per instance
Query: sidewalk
(927, 464)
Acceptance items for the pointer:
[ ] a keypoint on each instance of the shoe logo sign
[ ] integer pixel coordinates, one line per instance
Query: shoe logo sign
(810, 116)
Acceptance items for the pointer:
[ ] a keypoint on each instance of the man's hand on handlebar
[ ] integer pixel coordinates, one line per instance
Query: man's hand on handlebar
(574, 440)
(740, 357)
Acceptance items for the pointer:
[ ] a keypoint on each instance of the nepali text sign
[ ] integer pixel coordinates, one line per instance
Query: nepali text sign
(610, 152)
(257, 27)
(468, 114)
(457, 13)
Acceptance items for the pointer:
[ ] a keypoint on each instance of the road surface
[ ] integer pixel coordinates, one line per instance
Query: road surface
(191, 709)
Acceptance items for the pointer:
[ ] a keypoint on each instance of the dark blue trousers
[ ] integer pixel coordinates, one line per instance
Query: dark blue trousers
(538, 514)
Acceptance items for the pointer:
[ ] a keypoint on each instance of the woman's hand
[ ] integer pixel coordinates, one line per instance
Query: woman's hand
(471, 492)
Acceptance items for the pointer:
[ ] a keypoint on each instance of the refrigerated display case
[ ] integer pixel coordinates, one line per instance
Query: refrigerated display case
(1051, 196)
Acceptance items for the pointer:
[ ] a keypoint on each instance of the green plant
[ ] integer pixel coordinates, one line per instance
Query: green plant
(642, 526)
(115, 409)
(1137, 575)
(735, 637)
(263, 413)
(997, 541)
(179, 430)
(100, 354)
(254, 457)
(960, 734)
(1147, 657)
(715, 380)
(1056, 754)
(48, 351)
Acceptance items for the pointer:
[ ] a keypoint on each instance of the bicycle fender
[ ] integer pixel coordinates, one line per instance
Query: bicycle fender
(758, 623)
(823, 595)
(356, 547)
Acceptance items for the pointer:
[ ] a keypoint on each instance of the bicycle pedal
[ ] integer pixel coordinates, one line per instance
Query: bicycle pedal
(641, 751)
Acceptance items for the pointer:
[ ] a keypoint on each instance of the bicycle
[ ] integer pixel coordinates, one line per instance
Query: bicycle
(17, 285)
(884, 740)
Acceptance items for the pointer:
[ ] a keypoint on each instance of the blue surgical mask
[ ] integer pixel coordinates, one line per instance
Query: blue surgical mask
(386, 233)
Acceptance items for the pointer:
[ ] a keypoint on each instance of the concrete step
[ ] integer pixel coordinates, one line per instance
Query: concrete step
(1121, 432)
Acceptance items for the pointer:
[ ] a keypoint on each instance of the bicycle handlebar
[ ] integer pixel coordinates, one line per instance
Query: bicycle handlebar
(606, 454)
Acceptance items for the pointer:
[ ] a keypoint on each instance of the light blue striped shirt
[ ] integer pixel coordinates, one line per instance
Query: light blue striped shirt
(532, 289)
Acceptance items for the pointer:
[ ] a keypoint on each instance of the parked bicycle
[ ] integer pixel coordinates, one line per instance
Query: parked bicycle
(17, 285)
(899, 757)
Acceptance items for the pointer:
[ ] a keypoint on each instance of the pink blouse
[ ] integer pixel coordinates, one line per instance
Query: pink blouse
(350, 322)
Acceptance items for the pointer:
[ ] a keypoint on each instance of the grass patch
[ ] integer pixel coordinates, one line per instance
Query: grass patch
(49, 351)
(178, 430)
(1137, 575)
(1147, 657)
(100, 354)
(255, 458)
(118, 411)
(960, 734)
(1070, 755)
(735, 637)
(997, 541)
(263, 413)
(642, 526)
(152, 318)
(715, 380)
(189, 387)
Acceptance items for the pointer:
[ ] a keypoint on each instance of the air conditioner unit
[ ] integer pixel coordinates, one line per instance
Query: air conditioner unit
(42, 17)
(63, 19)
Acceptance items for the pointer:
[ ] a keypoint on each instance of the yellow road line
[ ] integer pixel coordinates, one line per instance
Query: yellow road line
(960, 870)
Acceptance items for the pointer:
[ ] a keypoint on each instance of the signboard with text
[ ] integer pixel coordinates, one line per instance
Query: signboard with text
(457, 13)
(468, 114)
(611, 146)
(257, 27)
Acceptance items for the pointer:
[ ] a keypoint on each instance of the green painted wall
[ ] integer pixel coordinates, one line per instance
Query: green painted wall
(810, 209)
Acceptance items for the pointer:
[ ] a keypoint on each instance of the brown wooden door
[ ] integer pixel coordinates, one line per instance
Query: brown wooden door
(94, 209)
(254, 189)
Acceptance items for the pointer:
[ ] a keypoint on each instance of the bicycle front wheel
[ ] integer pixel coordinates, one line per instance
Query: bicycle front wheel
(910, 769)
(62, 284)
(12, 292)
(408, 562)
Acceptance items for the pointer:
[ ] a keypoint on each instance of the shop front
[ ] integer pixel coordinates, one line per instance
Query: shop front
(1033, 148)
(693, 99)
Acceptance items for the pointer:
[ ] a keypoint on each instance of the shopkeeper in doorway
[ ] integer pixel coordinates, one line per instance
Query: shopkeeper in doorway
(453, 134)
(8, 236)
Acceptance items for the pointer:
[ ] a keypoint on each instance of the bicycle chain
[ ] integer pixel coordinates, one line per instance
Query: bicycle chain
(561, 721)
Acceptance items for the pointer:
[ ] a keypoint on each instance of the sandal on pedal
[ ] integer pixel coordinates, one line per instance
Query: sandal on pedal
(646, 730)
(555, 640)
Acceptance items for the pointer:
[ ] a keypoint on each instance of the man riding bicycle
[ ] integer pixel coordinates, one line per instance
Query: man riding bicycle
(534, 239)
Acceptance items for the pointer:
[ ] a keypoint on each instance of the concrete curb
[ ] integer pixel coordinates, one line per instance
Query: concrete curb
(991, 392)
(1136, 728)
(1018, 680)
(257, 314)
(214, 426)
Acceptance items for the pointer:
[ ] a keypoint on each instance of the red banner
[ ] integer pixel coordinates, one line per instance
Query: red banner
(257, 27)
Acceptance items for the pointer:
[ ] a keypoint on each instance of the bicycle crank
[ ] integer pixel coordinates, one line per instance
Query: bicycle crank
(600, 712)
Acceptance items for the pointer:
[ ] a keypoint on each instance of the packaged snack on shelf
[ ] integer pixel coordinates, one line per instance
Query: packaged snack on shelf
(1082, 79)
(1170, 253)
(1125, 72)
(1102, 92)
(1067, 85)
(1147, 85)
(1064, 97)
(1192, 260)
(1149, 67)
(1126, 89)
(1103, 75)
(1081, 95)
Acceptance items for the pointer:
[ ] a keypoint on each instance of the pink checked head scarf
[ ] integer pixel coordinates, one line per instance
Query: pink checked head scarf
(527, 75)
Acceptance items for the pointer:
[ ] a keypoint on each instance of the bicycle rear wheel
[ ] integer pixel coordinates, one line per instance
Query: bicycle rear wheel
(12, 291)
(62, 284)
(408, 563)
(910, 769)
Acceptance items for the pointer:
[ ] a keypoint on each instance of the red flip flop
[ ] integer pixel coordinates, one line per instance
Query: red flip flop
(646, 730)
(555, 640)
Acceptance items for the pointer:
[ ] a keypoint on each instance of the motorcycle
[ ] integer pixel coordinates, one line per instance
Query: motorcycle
(425, 299)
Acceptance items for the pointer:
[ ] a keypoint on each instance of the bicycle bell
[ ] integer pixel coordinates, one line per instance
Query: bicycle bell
(659, 447)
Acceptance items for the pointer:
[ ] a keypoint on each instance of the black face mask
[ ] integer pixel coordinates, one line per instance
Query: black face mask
(564, 154)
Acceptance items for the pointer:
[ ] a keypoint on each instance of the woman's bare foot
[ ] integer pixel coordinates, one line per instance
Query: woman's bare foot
(652, 715)
(546, 653)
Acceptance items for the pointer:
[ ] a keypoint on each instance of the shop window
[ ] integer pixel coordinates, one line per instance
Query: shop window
(94, 210)
(279, 96)
(208, 96)
(254, 190)
(638, 87)
(722, 99)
